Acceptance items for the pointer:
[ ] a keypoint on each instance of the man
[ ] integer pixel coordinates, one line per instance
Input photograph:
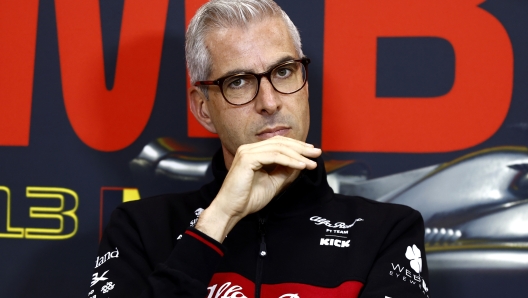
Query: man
(268, 225)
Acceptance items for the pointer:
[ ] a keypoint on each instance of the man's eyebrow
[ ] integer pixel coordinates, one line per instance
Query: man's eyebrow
(247, 70)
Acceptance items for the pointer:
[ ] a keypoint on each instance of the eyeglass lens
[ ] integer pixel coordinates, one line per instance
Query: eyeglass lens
(285, 78)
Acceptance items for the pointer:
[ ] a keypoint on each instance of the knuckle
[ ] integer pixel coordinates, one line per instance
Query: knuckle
(275, 156)
(241, 153)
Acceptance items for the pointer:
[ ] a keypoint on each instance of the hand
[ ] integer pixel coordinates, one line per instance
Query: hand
(258, 173)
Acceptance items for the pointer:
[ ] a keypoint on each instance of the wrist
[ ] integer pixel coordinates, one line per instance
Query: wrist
(215, 223)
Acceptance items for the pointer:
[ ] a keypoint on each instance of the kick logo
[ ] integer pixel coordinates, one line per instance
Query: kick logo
(414, 255)
(335, 242)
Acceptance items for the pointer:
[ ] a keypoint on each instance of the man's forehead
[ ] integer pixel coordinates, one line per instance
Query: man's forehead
(250, 69)
(252, 48)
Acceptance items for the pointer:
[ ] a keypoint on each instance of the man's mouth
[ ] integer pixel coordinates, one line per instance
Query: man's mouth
(271, 132)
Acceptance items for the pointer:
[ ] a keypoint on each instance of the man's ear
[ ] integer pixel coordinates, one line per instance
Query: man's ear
(200, 109)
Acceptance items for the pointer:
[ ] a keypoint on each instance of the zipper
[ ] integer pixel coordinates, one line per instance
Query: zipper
(262, 254)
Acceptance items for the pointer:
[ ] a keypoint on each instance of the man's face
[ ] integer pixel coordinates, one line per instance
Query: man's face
(256, 49)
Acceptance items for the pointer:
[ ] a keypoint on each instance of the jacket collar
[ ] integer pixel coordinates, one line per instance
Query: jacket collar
(308, 190)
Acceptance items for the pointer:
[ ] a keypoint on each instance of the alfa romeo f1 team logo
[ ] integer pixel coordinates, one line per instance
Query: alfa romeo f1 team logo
(336, 233)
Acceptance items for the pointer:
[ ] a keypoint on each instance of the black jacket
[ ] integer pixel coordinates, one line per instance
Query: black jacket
(308, 242)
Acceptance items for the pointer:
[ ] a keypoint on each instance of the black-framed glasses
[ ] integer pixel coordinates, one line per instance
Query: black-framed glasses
(239, 89)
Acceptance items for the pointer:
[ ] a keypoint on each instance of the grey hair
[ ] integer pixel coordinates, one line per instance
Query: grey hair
(217, 14)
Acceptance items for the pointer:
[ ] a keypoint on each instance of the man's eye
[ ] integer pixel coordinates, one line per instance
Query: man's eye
(237, 82)
(283, 72)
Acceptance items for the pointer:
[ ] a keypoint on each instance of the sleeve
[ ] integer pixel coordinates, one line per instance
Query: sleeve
(122, 268)
(400, 269)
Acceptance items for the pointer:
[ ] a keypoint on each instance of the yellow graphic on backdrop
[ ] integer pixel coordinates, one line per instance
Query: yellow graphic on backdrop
(10, 232)
(51, 212)
(130, 194)
(56, 213)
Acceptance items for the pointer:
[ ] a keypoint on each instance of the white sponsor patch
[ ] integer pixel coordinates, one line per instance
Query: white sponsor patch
(107, 256)
(96, 278)
(414, 255)
(225, 291)
(334, 242)
(197, 212)
(109, 286)
(338, 225)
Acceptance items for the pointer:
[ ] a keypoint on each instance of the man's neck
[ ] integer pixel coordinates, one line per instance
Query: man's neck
(228, 157)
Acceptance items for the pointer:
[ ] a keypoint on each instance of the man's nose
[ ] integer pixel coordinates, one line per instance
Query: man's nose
(268, 99)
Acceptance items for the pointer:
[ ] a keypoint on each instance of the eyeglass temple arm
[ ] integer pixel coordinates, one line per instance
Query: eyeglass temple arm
(205, 83)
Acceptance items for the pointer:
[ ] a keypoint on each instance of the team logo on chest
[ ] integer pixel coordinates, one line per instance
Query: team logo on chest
(336, 233)
(338, 225)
